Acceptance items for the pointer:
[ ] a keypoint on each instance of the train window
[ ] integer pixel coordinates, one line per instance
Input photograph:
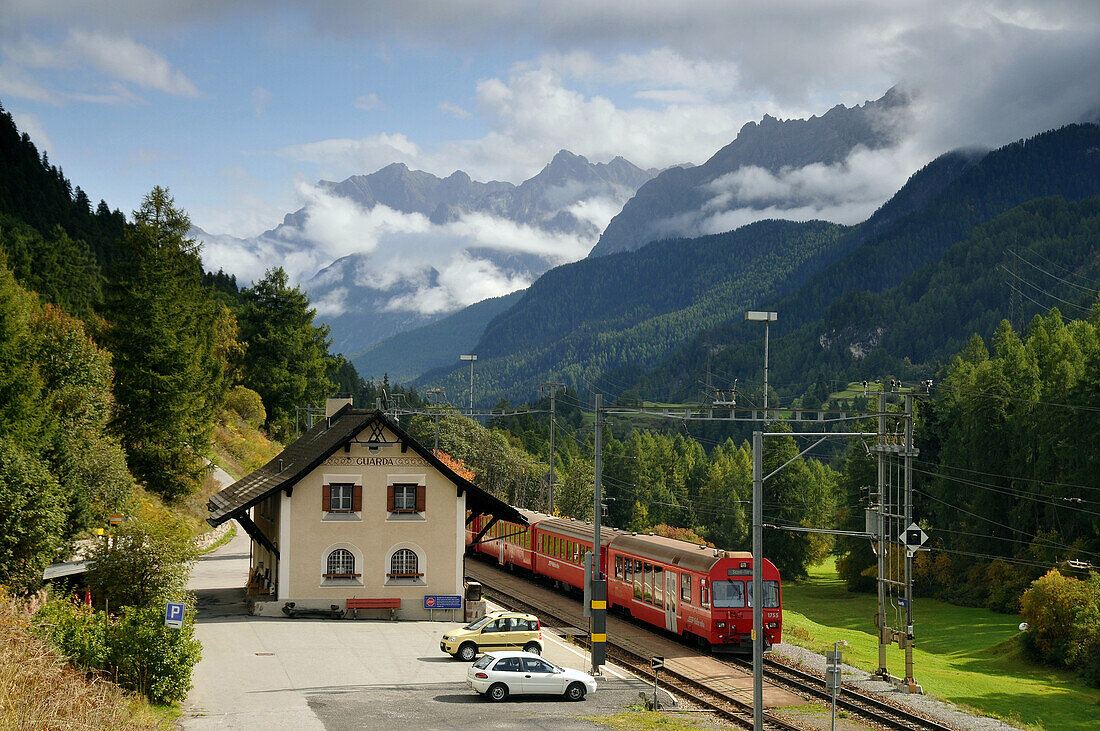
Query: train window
(704, 593)
(659, 585)
(647, 586)
(771, 594)
(729, 594)
(638, 577)
(628, 565)
(685, 587)
(619, 568)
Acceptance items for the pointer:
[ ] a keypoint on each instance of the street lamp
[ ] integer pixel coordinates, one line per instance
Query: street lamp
(758, 539)
(470, 358)
(767, 318)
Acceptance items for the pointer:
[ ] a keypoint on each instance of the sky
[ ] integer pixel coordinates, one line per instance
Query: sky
(240, 107)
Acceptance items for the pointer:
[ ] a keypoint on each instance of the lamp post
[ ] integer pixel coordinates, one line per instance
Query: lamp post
(758, 540)
(470, 358)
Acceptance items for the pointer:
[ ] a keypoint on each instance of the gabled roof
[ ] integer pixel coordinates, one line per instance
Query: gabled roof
(318, 444)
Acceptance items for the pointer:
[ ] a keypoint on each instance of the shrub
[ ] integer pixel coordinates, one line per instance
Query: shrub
(133, 647)
(147, 560)
(248, 405)
(1063, 615)
(152, 659)
(75, 630)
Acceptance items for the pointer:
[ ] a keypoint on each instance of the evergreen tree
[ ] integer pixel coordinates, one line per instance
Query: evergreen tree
(164, 335)
(287, 357)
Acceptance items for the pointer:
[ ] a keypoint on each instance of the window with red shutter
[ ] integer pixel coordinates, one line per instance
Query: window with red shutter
(326, 498)
(420, 490)
(389, 498)
(357, 499)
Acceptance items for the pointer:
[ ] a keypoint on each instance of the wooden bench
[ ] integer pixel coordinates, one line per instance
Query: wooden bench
(390, 603)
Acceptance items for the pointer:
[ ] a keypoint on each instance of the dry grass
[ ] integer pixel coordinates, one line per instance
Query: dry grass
(40, 690)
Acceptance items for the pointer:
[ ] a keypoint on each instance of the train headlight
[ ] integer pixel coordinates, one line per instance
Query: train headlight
(773, 625)
(720, 625)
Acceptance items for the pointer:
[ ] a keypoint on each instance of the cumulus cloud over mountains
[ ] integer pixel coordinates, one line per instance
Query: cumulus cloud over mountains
(433, 267)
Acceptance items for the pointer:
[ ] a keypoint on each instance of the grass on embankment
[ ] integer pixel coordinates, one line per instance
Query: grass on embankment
(971, 657)
(40, 690)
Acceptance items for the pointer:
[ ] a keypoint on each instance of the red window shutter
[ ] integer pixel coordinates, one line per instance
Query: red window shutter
(357, 499)
(389, 498)
(326, 498)
(420, 498)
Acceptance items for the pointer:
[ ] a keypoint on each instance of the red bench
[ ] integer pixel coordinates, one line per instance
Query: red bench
(390, 603)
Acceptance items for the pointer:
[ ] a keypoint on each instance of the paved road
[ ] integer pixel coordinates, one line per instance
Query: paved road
(270, 673)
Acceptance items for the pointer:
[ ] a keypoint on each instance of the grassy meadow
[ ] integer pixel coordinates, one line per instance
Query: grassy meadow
(970, 657)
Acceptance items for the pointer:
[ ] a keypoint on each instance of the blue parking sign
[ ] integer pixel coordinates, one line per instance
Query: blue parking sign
(173, 615)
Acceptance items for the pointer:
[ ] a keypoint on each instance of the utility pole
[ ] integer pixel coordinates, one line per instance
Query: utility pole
(910, 452)
(599, 583)
(435, 394)
(470, 358)
(897, 538)
(881, 530)
(757, 580)
(553, 387)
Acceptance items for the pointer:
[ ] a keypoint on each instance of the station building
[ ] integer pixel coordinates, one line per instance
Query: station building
(355, 509)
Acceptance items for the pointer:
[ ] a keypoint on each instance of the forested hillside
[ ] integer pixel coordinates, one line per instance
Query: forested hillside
(403, 357)
(825, 332)
(628, 310)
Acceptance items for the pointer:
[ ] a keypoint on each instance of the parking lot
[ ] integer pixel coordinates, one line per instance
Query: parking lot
(376, 674)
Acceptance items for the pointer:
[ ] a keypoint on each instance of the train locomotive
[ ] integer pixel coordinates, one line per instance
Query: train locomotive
(699, 593)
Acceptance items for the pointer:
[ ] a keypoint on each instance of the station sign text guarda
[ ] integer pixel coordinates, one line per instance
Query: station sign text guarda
(373, 461)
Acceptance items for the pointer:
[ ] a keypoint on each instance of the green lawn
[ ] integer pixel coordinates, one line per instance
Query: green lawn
(971, 657)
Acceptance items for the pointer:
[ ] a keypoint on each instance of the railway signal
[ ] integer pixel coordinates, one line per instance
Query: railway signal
(656, 662)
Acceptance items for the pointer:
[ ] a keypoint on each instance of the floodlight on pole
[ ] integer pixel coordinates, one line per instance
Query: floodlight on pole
(758, 538)
(470, 358)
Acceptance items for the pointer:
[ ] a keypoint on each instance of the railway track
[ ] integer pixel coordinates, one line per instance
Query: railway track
(864, 706)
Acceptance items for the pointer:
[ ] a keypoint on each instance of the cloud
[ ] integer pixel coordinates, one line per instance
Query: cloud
(368, 102)
(338, 158)
(16, 82)
(127, 60)
(454, 110)
(425, 267)
(116, 56)
(847, 192)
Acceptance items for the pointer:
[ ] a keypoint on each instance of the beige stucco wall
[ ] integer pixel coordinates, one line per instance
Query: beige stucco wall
(436, 535)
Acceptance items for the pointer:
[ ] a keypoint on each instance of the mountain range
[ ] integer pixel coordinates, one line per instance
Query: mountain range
(413, 247)
(660, 319)
(688, 201)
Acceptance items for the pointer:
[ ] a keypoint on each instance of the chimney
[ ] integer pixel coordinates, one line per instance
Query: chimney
(332, 405)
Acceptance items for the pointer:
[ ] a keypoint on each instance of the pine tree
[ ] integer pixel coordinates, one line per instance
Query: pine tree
(287, 356)
(169, 378)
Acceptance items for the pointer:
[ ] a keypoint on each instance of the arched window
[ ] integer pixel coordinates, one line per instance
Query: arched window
(404, 564)
(340, 564)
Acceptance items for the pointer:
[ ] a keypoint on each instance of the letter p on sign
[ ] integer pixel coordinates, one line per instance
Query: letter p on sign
(173, 615)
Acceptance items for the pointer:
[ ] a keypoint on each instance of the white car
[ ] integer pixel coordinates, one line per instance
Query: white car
(500, 674)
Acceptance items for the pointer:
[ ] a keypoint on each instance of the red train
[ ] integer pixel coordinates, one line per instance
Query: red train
(700, 593)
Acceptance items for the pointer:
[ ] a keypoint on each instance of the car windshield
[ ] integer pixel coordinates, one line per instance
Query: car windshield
(483, 662)
(478, 623)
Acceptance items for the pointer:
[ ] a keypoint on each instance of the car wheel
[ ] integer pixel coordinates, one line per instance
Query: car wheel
(497, 692)
(533, 648)
(467, 653)
(575, 692)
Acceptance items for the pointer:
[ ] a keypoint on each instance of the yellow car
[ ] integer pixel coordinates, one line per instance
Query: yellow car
(494, 631)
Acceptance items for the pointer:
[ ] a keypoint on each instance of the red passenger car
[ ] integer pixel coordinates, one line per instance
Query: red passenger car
(700, 593)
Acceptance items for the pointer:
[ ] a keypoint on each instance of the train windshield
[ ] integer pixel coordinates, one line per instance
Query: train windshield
(728, 594)
(738, 594)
